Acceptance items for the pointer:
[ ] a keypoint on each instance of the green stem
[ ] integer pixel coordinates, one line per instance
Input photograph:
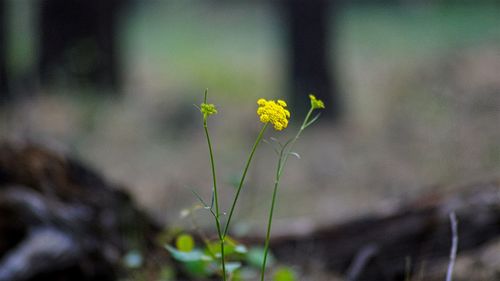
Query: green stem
(306, 120)
(257, 141)
(290, 144)
(216, 199)
(270, 220)
(283, 157)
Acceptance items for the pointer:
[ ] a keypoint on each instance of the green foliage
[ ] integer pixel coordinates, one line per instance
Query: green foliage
(185, 243)
(195, 262)
(240, 262)
(197, 268)
(255, 257)
(284, 274)
(232, 266)
(194, 255)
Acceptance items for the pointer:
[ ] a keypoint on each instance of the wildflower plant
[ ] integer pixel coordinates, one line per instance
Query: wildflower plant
(284, 151)
(273, 112)
(225, 256)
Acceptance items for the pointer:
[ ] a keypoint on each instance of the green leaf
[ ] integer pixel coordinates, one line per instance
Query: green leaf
(194, 255)
(255, 257)
(197, 269)
(245, 273)
(213, 247)
(284, 274)
(234, 246)
(184, 243)
(231, 248)
(240, 249)
(237, 276)
(232, 266)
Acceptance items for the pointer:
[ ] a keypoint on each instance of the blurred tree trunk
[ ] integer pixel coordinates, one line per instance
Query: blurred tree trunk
(308, 24)
(78, 42)
(3, 56)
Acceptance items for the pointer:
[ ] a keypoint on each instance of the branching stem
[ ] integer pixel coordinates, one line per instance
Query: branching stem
(214, 177)
(283, 157)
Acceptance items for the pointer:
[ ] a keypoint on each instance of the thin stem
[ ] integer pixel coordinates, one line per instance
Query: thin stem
(257, 141)
(283, 157)
(306, 120)
(291, 143)
(270, 220)
(217, 221)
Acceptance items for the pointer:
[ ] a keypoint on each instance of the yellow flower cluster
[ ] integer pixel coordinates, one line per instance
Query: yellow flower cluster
(316, 103)
(274, 112)
(207, 109)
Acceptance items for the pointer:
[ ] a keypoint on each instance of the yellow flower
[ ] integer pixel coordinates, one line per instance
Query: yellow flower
(274, 112)
(316, 103)
(207, 109)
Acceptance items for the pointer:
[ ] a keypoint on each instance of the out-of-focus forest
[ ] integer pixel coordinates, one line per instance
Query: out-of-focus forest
(412, 90)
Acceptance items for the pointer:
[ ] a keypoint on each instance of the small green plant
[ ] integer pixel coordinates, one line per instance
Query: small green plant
(225, 256)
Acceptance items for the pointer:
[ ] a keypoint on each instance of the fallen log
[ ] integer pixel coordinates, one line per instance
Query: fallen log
(413, 239)
(61, 221)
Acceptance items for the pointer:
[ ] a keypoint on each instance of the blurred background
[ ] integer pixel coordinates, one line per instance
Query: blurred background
(412, 90)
